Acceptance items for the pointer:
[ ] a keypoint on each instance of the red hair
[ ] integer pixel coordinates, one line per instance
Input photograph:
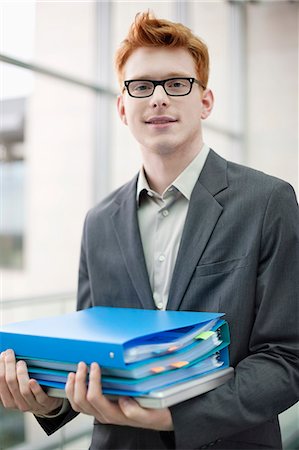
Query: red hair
(148, 31)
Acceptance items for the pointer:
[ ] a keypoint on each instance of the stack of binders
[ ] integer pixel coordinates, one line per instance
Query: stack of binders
(158, 357)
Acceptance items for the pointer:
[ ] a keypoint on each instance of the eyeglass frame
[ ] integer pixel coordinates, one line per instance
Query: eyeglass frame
(162, 83)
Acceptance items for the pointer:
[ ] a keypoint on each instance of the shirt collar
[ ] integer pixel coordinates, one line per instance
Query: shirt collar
(185, 182)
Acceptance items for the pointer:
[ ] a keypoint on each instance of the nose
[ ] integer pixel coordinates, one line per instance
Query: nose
(159, 97)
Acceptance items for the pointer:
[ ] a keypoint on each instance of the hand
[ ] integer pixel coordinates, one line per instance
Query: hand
(90, 400)
(18, 391)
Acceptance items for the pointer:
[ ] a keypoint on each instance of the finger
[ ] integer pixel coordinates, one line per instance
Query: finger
(45, 404)
(94, 389)
(80, 388)
(23, 380)
(105, 410)
(33, 393)
(156, 419)
(12, 381)
(94, 393)
(76, 390)
(70, 390)
(5, 395)
(70, 386)
(133, 411)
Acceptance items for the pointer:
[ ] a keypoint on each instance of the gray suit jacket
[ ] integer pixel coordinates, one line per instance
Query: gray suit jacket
(239, 254)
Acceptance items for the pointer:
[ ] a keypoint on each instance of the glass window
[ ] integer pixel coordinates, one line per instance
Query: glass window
(12, 183)
(12, 175)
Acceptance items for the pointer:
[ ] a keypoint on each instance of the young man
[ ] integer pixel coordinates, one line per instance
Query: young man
(190, 232)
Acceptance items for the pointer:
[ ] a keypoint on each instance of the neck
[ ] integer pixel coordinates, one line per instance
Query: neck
(162, 170)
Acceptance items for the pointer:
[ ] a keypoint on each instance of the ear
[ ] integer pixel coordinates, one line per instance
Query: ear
(121, 109)
(207, 103)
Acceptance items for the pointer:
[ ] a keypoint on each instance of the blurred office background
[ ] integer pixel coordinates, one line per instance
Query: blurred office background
(62, 146)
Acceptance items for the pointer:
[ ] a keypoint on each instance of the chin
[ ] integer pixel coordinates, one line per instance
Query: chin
(162, 148)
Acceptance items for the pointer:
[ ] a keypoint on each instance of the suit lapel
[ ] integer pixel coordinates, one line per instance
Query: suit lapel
(125, 224)
(203, 214)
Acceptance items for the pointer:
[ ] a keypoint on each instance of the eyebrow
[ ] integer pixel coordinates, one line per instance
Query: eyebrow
(165, 77)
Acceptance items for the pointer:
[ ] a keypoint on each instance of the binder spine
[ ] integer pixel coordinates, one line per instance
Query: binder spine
(58, 349)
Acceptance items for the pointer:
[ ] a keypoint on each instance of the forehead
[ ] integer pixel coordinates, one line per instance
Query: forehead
(159, 63)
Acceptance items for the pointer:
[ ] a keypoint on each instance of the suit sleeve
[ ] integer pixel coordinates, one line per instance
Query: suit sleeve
(266, 382)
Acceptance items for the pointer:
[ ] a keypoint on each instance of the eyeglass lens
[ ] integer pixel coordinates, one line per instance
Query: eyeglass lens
(144, 88)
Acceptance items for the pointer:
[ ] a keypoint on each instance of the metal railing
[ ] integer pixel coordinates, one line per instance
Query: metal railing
(27, 301)
(57, 75)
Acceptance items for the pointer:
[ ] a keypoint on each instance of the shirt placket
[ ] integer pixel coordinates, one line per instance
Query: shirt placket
(162, 252)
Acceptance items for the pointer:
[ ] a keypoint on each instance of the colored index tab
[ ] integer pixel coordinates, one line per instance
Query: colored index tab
(179, 364)
(173, 348)
(205, 335)
(157, 369)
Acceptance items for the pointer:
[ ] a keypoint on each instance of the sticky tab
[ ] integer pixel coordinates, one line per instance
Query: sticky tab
(173, 348)
(157, 369)
(205, 335)
(179, 364)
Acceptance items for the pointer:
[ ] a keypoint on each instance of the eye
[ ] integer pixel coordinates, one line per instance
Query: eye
(176, 84)
(140, 86)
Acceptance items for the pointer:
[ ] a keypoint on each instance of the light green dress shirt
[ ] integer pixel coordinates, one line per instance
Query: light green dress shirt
(161, 221)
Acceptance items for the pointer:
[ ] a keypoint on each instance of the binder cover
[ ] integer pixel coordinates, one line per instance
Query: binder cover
(102, 334)
(218, 339)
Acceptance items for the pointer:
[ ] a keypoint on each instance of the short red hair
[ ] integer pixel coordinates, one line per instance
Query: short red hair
(148, 31)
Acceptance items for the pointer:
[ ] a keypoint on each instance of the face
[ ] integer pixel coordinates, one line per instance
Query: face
(164, 124)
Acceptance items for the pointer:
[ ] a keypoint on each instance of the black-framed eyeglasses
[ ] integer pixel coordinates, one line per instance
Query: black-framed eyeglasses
(176, 87)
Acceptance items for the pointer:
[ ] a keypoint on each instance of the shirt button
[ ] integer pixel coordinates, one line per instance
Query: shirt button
(165, 212)
(150, 194)
(160, 305)
(161, 258)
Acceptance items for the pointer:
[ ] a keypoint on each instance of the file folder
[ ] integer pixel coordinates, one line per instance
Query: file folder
(105, 334)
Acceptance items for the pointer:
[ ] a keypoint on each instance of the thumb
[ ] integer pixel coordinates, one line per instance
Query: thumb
(129, 407)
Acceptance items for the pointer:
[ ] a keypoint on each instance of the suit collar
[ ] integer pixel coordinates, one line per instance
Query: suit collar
(214, 174)
(184, 182)
(203, 214)
(213, 177)
(124, 222)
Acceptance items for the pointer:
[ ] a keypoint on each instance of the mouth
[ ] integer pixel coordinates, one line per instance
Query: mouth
(160, 120)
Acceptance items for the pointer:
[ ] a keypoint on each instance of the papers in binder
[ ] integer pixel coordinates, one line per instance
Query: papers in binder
(163, 343)
(142, 385)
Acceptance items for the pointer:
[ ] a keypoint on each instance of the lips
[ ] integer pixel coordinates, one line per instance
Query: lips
(160, 120)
